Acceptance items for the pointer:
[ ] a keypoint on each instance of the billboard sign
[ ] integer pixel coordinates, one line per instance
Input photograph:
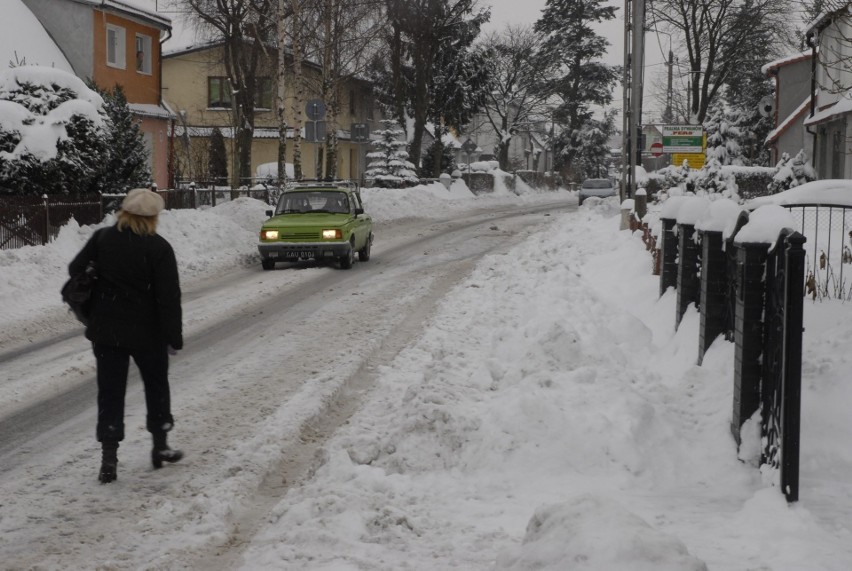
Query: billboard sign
(687, 139)
(694, 160)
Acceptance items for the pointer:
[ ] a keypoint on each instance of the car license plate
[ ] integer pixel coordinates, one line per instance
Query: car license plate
(297, 254)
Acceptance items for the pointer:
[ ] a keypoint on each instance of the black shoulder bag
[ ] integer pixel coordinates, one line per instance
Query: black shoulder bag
(77, 292)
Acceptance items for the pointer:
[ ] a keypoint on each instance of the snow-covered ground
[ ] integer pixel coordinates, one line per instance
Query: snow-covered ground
(548, 417)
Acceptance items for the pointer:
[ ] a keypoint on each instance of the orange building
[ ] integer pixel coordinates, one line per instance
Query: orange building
(117, 43)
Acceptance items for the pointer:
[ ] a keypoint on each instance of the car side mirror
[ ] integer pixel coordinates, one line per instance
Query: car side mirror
(269, 214)
(359, 211)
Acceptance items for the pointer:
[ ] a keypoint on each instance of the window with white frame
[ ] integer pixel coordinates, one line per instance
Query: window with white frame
(143, 53)
(115, 48)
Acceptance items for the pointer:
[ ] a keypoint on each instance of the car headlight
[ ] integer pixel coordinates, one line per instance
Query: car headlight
(332, 234)
(269, 234)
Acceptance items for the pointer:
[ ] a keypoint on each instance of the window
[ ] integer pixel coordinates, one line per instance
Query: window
(115, 47)
(143, 54)
(263, 93)
(218, 93)
(352, 102)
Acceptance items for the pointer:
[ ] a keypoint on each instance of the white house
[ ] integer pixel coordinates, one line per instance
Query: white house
(828, 122)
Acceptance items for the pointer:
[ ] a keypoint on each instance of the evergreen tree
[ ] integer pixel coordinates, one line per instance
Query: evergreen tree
(582, 80)
(447, 163)
(126, 164)
(589, 147)
(420, 32)
(217, 158)
(746, 86)
(723, 135)
(389, 166)
(460, 85)
(58, 103)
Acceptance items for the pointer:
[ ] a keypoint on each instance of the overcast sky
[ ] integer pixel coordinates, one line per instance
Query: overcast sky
(505, 12)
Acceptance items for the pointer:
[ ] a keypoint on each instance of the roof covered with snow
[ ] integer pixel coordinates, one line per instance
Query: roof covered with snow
(786, 60)
(24, 41)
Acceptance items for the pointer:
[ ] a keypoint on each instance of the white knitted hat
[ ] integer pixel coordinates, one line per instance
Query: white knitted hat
(143, 202)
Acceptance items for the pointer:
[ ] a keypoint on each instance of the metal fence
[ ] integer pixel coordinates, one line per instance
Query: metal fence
(35, 221)
(829, 249)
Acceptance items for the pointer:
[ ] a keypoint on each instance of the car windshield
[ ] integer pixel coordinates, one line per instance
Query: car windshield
(597, 183)
(329, 201)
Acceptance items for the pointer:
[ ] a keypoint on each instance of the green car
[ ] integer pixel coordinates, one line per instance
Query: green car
(324, 222)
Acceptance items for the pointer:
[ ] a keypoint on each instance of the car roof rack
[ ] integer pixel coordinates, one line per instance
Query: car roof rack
(318, 182)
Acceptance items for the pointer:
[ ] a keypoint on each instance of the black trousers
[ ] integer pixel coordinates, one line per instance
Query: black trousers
(113, 365)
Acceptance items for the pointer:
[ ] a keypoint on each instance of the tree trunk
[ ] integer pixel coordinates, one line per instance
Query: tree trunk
(299, 85)
(281, 94)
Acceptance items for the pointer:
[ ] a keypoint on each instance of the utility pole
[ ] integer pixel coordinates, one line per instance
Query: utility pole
(667, 115)
(626, 173)
(634, 64)
(637, 83)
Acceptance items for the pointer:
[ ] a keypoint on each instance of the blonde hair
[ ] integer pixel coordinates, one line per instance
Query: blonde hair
(141, 225)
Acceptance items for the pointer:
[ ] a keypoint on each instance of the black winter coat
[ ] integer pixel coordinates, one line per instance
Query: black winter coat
(136, 301)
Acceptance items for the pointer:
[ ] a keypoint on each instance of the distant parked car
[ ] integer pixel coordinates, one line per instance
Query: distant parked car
(324, 222)
(600, 187)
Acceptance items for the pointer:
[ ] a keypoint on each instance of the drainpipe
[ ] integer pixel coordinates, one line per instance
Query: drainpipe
(812, 42)
(170, 160)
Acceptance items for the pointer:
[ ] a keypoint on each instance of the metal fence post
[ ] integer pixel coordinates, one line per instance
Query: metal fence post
(714, 285)
(668, 255)
(46, 233)
(748, 332)
(792, 363)
(689, 261)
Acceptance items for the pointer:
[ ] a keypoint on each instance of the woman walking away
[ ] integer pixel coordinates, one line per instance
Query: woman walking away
(135, 313)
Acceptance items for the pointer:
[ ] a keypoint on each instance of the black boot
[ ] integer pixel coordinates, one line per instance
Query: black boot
(109, 462)
(161, 452)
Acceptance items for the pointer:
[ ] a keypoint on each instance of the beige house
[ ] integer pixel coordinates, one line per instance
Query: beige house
(196, 88)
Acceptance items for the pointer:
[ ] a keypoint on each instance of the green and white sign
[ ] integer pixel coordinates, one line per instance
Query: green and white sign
(683, 139)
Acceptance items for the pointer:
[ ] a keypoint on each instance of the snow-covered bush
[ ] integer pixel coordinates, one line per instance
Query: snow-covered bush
(389, 166)
(712, 178)
(791, 172)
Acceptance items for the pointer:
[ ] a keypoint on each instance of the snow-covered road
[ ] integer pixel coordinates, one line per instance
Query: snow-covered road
(494, 391)
(274, 362)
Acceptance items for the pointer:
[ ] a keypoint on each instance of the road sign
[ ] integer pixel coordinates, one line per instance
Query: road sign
(469, 146)
(360, 132)
(315, 131)
(683, 139)
(657, 149)
(315, 109)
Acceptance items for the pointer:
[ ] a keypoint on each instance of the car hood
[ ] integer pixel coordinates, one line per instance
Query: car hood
(307, 220)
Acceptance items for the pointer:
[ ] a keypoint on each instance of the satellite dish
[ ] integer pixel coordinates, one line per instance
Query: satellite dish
(766, 107)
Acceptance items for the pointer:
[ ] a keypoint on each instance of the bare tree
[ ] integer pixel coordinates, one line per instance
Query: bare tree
(246, 28)
(518, 74)
(343, 37)
(712, 35)
(285, 15)
(835, 46)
